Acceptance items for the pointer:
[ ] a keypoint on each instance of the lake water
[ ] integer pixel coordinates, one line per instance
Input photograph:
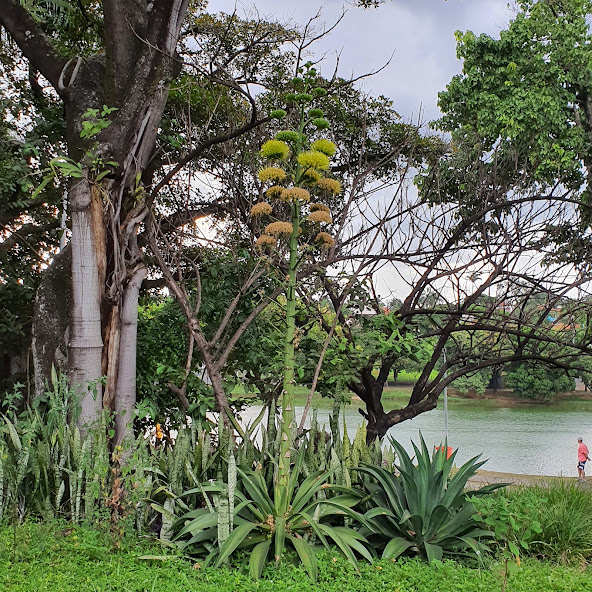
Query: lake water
(525, 439)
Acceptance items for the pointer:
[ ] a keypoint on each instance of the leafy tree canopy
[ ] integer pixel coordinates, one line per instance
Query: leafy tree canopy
(538, 382)
(527, 95)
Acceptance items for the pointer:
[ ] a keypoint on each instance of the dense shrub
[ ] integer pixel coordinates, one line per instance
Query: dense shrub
(535, 381)
(564, 512)
(477, 381)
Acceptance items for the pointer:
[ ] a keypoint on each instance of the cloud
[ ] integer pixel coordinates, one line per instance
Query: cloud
(419, 34)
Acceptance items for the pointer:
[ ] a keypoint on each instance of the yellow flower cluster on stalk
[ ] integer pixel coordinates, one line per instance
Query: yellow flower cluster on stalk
(332, 186)
(271, 174)
(302, 174)
(295, 194)
(313, 159)
(275, 150)
(325, 240)
(304, 171)
(261, 209)
(274, 191)
(325, 146)
(265, 241)
(311, 176)
(320, 217)
(278, 228)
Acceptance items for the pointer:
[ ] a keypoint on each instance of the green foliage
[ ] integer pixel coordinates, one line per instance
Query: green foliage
(424, 509)
(319, 499)
(562, 509)
(476, 381)
(519, 120)
(192, 460)
(524, 98)
(262, 528)
(370, 339)
(48, 558)
(538, 382)
(512, 524)
(93, 123)
(48, 467)
(30, 227)
(585, 366)
(162, 356)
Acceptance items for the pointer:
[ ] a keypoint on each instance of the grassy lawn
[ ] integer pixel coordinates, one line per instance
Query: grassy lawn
(395, 397)
(57, 558)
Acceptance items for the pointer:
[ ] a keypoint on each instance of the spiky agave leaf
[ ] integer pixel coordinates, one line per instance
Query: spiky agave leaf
(424, 507)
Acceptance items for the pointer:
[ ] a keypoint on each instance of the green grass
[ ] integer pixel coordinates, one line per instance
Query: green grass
(52, 558)
(397, 397)
(564, 511)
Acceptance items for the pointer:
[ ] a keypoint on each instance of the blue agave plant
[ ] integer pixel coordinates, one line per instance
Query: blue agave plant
(424, 509)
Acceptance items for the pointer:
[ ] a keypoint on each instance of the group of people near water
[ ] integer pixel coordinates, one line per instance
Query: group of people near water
(582, 458)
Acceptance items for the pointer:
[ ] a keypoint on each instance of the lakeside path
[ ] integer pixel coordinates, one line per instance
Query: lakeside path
(482, 478)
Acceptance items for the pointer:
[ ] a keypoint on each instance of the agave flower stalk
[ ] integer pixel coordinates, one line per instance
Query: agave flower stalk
(303, 166)
(282, 499)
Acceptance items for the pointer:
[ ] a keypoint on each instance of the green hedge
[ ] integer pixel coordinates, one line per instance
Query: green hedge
(56, 558)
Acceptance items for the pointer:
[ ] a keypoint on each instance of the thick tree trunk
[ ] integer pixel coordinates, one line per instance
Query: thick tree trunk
(132, 75)
(86, 343)
(126, 375)
(378, 420)
(370, 390)
(135, 80)
(51, 319)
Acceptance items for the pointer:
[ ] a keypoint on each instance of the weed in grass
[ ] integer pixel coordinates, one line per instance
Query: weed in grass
(566, 520)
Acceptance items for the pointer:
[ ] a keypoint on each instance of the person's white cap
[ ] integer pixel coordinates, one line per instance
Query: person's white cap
(580, 440)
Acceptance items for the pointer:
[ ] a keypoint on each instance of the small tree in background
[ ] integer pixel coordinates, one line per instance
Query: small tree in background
(538, 382)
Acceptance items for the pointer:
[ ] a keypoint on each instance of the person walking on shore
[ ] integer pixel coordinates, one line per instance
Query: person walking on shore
(582, 458)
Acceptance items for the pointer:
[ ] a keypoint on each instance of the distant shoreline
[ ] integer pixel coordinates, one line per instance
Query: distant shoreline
(482, 478)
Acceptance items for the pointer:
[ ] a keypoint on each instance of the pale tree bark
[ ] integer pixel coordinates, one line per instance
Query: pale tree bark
(126, 377)
(85, 346)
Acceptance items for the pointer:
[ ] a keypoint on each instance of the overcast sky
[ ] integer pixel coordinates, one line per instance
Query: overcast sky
(419, 34)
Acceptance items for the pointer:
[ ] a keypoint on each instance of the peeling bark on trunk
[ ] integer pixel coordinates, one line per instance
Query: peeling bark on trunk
(126, 375)
(111, 347)
(134, 77)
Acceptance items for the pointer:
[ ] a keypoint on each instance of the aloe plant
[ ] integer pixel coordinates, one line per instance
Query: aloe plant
(424, 509)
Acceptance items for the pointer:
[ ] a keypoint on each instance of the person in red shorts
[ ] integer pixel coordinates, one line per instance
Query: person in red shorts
(582, 458)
